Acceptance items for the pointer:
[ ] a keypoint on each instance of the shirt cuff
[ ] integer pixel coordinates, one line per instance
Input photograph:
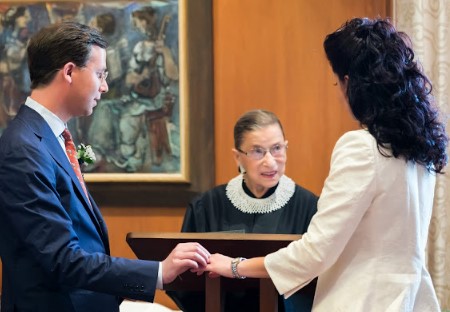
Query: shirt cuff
(159, 281)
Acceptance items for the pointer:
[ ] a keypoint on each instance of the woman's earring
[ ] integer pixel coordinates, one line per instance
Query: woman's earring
(241, 169)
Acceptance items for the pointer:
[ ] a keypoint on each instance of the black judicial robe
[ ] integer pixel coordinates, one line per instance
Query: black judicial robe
(213, 211)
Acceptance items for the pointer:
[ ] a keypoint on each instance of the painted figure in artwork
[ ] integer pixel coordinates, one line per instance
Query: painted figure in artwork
(13, 66)
(151, 70)
(132, 132)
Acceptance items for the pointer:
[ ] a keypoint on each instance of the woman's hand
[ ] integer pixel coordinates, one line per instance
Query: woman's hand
(219, 265)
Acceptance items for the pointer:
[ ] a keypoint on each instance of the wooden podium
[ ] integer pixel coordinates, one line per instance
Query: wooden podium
(157, 246)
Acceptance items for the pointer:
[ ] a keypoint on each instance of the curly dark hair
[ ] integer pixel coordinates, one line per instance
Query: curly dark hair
(387, 91)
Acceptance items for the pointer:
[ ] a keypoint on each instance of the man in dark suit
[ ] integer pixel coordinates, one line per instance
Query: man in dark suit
(53, 240)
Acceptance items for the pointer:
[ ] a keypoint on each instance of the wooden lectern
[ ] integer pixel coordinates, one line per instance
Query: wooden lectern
(157, 246)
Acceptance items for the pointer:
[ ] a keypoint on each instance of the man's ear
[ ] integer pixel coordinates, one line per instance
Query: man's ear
(68, 70)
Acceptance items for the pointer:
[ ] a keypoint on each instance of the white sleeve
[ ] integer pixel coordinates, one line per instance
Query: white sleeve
(346, 196)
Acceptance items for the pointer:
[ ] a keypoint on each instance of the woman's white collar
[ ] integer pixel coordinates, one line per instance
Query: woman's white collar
(236, 194)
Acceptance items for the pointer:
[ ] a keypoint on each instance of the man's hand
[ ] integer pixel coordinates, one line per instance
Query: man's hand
(183, 257)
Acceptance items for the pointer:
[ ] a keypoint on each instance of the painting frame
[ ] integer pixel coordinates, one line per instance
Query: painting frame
(189, 20)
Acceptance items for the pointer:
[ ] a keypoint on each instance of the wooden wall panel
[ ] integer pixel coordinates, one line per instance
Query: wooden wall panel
(122, 220)
(268, 54)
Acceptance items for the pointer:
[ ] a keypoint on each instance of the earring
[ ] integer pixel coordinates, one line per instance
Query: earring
(241, 169)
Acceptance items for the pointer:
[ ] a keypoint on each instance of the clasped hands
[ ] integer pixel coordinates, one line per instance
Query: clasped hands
(194, 257)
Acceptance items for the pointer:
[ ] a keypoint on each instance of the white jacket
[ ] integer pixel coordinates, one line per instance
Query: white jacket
(367, 241)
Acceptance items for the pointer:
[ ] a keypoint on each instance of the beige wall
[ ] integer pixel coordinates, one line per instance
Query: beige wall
(267, 54)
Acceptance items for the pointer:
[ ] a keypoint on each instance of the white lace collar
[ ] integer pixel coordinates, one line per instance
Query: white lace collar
(247, 204)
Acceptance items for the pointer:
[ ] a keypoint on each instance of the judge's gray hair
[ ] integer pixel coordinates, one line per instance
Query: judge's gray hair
(251, 121)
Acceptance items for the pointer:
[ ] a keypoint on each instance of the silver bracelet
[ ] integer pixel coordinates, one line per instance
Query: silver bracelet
(234, 264)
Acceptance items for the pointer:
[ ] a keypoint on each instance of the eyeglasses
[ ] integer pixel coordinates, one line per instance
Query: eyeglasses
(100, 75)
(258, 153)
(103, 75)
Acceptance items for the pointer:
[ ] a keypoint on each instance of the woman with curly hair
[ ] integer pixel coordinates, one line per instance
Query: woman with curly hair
(367, 241)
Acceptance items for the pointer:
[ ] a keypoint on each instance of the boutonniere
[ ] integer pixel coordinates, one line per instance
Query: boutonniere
(85, 154)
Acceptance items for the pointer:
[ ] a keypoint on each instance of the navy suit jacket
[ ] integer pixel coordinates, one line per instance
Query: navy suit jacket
(53, 244)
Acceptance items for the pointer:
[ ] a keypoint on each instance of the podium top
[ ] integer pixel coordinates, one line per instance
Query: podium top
(213, 236)
(157, 246)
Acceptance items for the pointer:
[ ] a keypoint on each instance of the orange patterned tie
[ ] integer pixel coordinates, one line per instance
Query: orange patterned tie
(72, 154)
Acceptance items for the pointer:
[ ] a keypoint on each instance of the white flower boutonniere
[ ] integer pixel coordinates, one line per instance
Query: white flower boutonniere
(85, 154)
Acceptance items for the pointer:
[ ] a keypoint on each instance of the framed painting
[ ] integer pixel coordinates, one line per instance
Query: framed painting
(141, 129)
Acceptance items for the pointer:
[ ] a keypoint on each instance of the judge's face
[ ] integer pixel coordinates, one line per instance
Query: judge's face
(262, 155)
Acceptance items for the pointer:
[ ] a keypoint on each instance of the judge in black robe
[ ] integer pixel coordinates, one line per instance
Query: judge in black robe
(286, 208)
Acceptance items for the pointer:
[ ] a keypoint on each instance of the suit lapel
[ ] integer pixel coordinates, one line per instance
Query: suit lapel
(54, 148)
(43, 130)
(60, 157)
(102, 226)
